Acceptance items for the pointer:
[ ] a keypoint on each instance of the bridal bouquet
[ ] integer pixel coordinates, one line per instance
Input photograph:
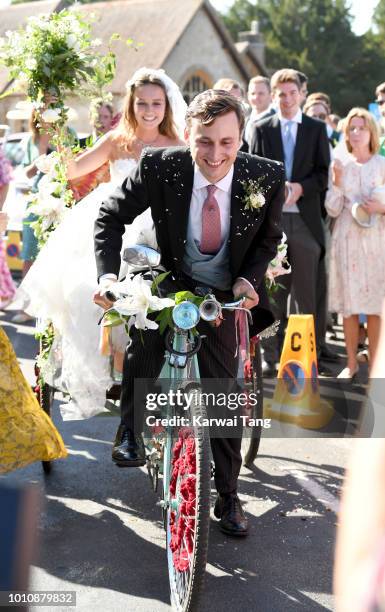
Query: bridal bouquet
(53, 198)
(53, 56)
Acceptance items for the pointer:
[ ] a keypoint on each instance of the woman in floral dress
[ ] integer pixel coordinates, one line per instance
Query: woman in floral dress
(357, 275)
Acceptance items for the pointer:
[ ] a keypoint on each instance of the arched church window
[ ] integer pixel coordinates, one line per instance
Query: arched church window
(195, 84)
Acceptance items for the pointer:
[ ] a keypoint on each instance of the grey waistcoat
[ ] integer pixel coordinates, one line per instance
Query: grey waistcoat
(211, 270)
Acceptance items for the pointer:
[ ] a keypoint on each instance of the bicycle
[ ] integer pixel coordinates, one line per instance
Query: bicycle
(179, 448)
(181, 454)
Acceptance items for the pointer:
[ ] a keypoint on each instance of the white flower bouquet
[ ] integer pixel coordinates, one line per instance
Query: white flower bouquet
(136, 300)
(54, 55)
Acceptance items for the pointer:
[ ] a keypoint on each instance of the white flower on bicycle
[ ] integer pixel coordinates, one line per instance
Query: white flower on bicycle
(140, 302)
(51, 115)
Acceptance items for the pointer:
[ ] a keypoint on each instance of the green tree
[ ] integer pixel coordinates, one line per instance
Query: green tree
(379, 18)
(240, 15)
(314, 36)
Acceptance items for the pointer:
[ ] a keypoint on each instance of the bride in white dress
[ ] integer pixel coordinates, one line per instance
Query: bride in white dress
(60, 285)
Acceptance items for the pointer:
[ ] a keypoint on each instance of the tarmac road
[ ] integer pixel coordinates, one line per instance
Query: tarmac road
(101, 533)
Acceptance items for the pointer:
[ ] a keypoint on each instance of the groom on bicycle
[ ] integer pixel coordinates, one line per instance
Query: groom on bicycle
(217, 217)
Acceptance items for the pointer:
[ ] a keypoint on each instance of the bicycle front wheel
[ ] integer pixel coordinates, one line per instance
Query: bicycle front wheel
(187, 491)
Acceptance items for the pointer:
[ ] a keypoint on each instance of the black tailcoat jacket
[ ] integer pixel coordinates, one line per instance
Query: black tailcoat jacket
(163, 180)
(310, 165)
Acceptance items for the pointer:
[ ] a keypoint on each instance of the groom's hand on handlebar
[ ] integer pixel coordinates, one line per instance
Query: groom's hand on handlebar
(242, 288)
(100, 298)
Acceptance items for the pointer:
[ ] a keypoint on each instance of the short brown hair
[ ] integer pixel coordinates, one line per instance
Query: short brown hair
(380, 89)
(286, 75)
(228, 85)
(313, 101)
(371, 123)
(319, 96)
(260, 79)
(213, 103)
(302, 77)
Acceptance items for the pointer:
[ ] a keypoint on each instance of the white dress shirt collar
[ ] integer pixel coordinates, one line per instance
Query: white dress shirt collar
(297, 117)
(224, 184)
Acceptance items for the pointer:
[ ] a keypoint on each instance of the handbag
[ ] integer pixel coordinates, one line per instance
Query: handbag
(360, 215)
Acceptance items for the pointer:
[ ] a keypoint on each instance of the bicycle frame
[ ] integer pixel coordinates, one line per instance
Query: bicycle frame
(176, 375)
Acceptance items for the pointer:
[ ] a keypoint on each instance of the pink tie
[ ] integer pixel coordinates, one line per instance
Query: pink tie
(211, 223)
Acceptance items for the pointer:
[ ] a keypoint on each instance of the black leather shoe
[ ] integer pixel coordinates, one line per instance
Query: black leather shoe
(232, 519)
(269, 370)
(128, 450)
(325, 354)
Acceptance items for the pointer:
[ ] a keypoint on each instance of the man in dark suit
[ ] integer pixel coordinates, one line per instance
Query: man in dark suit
(178, 184)
(259, 98)
(301, 143)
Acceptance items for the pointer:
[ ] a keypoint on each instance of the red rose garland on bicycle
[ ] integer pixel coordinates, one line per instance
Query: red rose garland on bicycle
(182, 522)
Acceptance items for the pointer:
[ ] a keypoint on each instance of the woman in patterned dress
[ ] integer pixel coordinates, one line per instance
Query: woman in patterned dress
(27, 433)
(357, 275)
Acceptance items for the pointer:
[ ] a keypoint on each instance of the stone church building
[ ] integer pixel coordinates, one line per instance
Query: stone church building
(187, 38)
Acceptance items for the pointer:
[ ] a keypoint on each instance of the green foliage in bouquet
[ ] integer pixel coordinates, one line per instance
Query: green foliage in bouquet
(55, 55)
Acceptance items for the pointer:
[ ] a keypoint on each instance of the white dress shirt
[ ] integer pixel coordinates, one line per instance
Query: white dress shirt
(296, 120)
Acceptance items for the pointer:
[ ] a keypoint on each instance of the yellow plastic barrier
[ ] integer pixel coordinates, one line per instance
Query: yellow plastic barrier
(296, 396)
(13, 246)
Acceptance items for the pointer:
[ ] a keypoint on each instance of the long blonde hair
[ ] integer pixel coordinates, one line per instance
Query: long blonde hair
(124, 133)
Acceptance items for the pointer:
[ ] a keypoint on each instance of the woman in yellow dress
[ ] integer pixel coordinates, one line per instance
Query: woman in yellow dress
(27, 434)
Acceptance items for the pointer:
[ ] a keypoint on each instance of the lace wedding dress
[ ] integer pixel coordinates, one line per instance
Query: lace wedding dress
(59, 288)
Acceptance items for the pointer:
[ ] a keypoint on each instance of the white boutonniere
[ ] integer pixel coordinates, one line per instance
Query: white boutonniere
(254, 197)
